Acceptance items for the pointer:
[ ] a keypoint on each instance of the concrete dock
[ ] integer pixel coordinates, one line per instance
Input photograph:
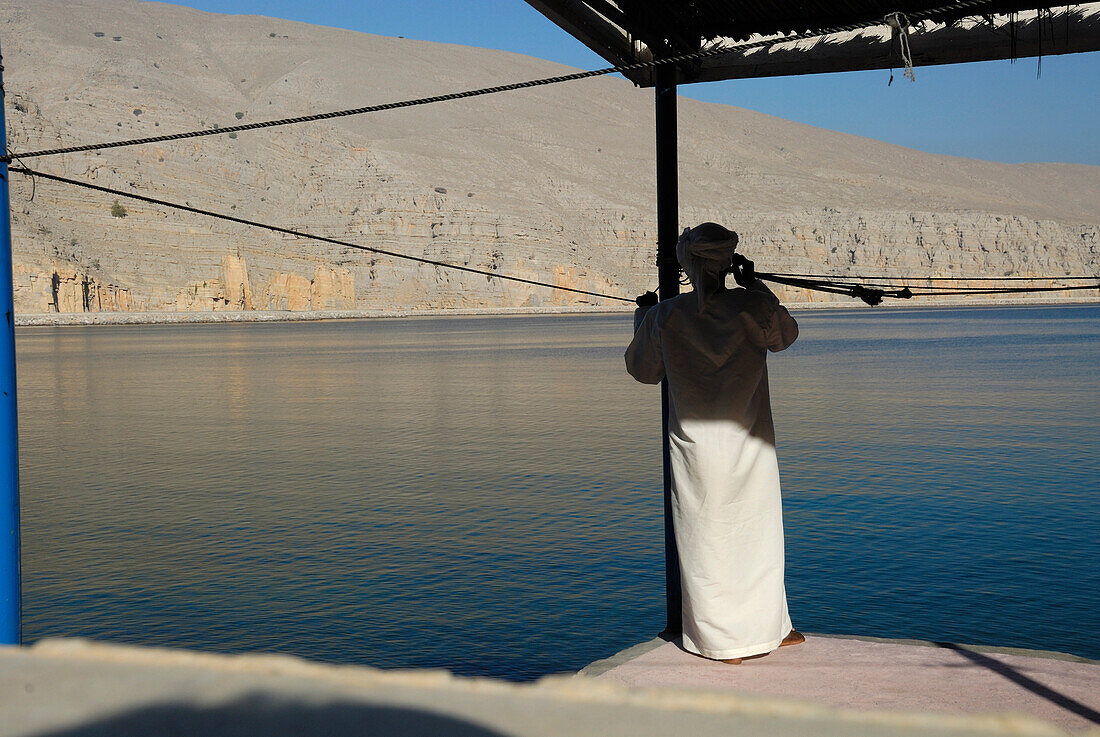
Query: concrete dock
(74, 688)
(871, 675)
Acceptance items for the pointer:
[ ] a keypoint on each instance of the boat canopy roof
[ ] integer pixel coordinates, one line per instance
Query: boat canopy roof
(833, 36)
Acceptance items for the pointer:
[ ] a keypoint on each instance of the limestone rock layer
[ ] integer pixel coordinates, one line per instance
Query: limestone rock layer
(553, 184)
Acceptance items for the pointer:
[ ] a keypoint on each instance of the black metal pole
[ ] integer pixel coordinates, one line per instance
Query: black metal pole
(668, 276)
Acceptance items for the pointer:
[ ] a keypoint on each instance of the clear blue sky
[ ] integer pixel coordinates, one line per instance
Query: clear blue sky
(993, 110)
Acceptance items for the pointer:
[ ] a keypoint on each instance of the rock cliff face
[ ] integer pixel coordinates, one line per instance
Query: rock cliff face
(554, 184)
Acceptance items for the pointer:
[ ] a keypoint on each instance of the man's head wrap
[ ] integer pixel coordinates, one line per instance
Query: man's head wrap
(705, 252)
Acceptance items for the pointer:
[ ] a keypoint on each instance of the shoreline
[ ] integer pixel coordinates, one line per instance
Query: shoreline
(67, 319)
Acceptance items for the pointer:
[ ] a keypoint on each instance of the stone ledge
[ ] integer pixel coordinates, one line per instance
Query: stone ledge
(76, 688)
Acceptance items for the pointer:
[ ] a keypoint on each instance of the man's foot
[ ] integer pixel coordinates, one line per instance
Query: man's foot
(794, 638)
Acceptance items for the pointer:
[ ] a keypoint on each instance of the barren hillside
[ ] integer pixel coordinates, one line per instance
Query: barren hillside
(551, 183)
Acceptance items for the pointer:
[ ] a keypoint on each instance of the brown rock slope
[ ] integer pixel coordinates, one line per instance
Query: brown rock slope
(554, 183)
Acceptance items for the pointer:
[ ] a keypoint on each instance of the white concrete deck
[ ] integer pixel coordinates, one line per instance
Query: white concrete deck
(868, 674)
(72, 688)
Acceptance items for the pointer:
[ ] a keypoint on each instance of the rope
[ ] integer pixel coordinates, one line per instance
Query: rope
(872, 295)
(635, 66)
(301, 234)
(1008, 290)
(899, 30)
(939, 288)
(942, 278)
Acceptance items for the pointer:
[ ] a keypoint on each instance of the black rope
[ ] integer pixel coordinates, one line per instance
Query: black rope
(300, 234)
(872, 295)
(937, 288)
(1007, 290)
(940, 278)
(635, 66)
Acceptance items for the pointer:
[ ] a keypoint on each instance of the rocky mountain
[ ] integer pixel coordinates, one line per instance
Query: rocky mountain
(554, 183)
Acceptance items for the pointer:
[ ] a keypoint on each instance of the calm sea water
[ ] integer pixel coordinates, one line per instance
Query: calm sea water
(483, 494)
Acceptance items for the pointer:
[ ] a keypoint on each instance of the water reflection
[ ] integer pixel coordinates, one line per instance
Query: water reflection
(483, 494)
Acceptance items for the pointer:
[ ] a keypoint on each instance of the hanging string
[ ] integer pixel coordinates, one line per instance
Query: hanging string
(899, 31)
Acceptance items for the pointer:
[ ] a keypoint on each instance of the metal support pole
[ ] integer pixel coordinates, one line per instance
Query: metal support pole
(668, 276)
(9, 441)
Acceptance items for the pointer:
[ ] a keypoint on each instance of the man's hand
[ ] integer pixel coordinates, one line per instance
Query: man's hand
(744, 272)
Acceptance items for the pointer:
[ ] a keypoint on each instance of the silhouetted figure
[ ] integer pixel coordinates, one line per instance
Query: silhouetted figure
(711, 344)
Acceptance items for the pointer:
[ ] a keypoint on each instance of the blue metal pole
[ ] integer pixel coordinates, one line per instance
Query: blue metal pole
(9, 435)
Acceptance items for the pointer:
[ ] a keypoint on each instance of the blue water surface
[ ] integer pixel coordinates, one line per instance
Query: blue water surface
(484, 494)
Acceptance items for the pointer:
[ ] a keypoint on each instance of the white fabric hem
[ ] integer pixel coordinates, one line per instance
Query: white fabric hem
(739, 652)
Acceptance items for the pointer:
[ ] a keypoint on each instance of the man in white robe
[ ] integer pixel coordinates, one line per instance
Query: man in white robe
(711, 344)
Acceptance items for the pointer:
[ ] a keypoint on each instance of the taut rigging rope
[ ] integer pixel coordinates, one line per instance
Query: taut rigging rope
(980, 5)
(871, 294)
(302, 234)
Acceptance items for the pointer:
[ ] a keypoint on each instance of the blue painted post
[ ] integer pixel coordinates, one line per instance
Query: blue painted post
(9, 436)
